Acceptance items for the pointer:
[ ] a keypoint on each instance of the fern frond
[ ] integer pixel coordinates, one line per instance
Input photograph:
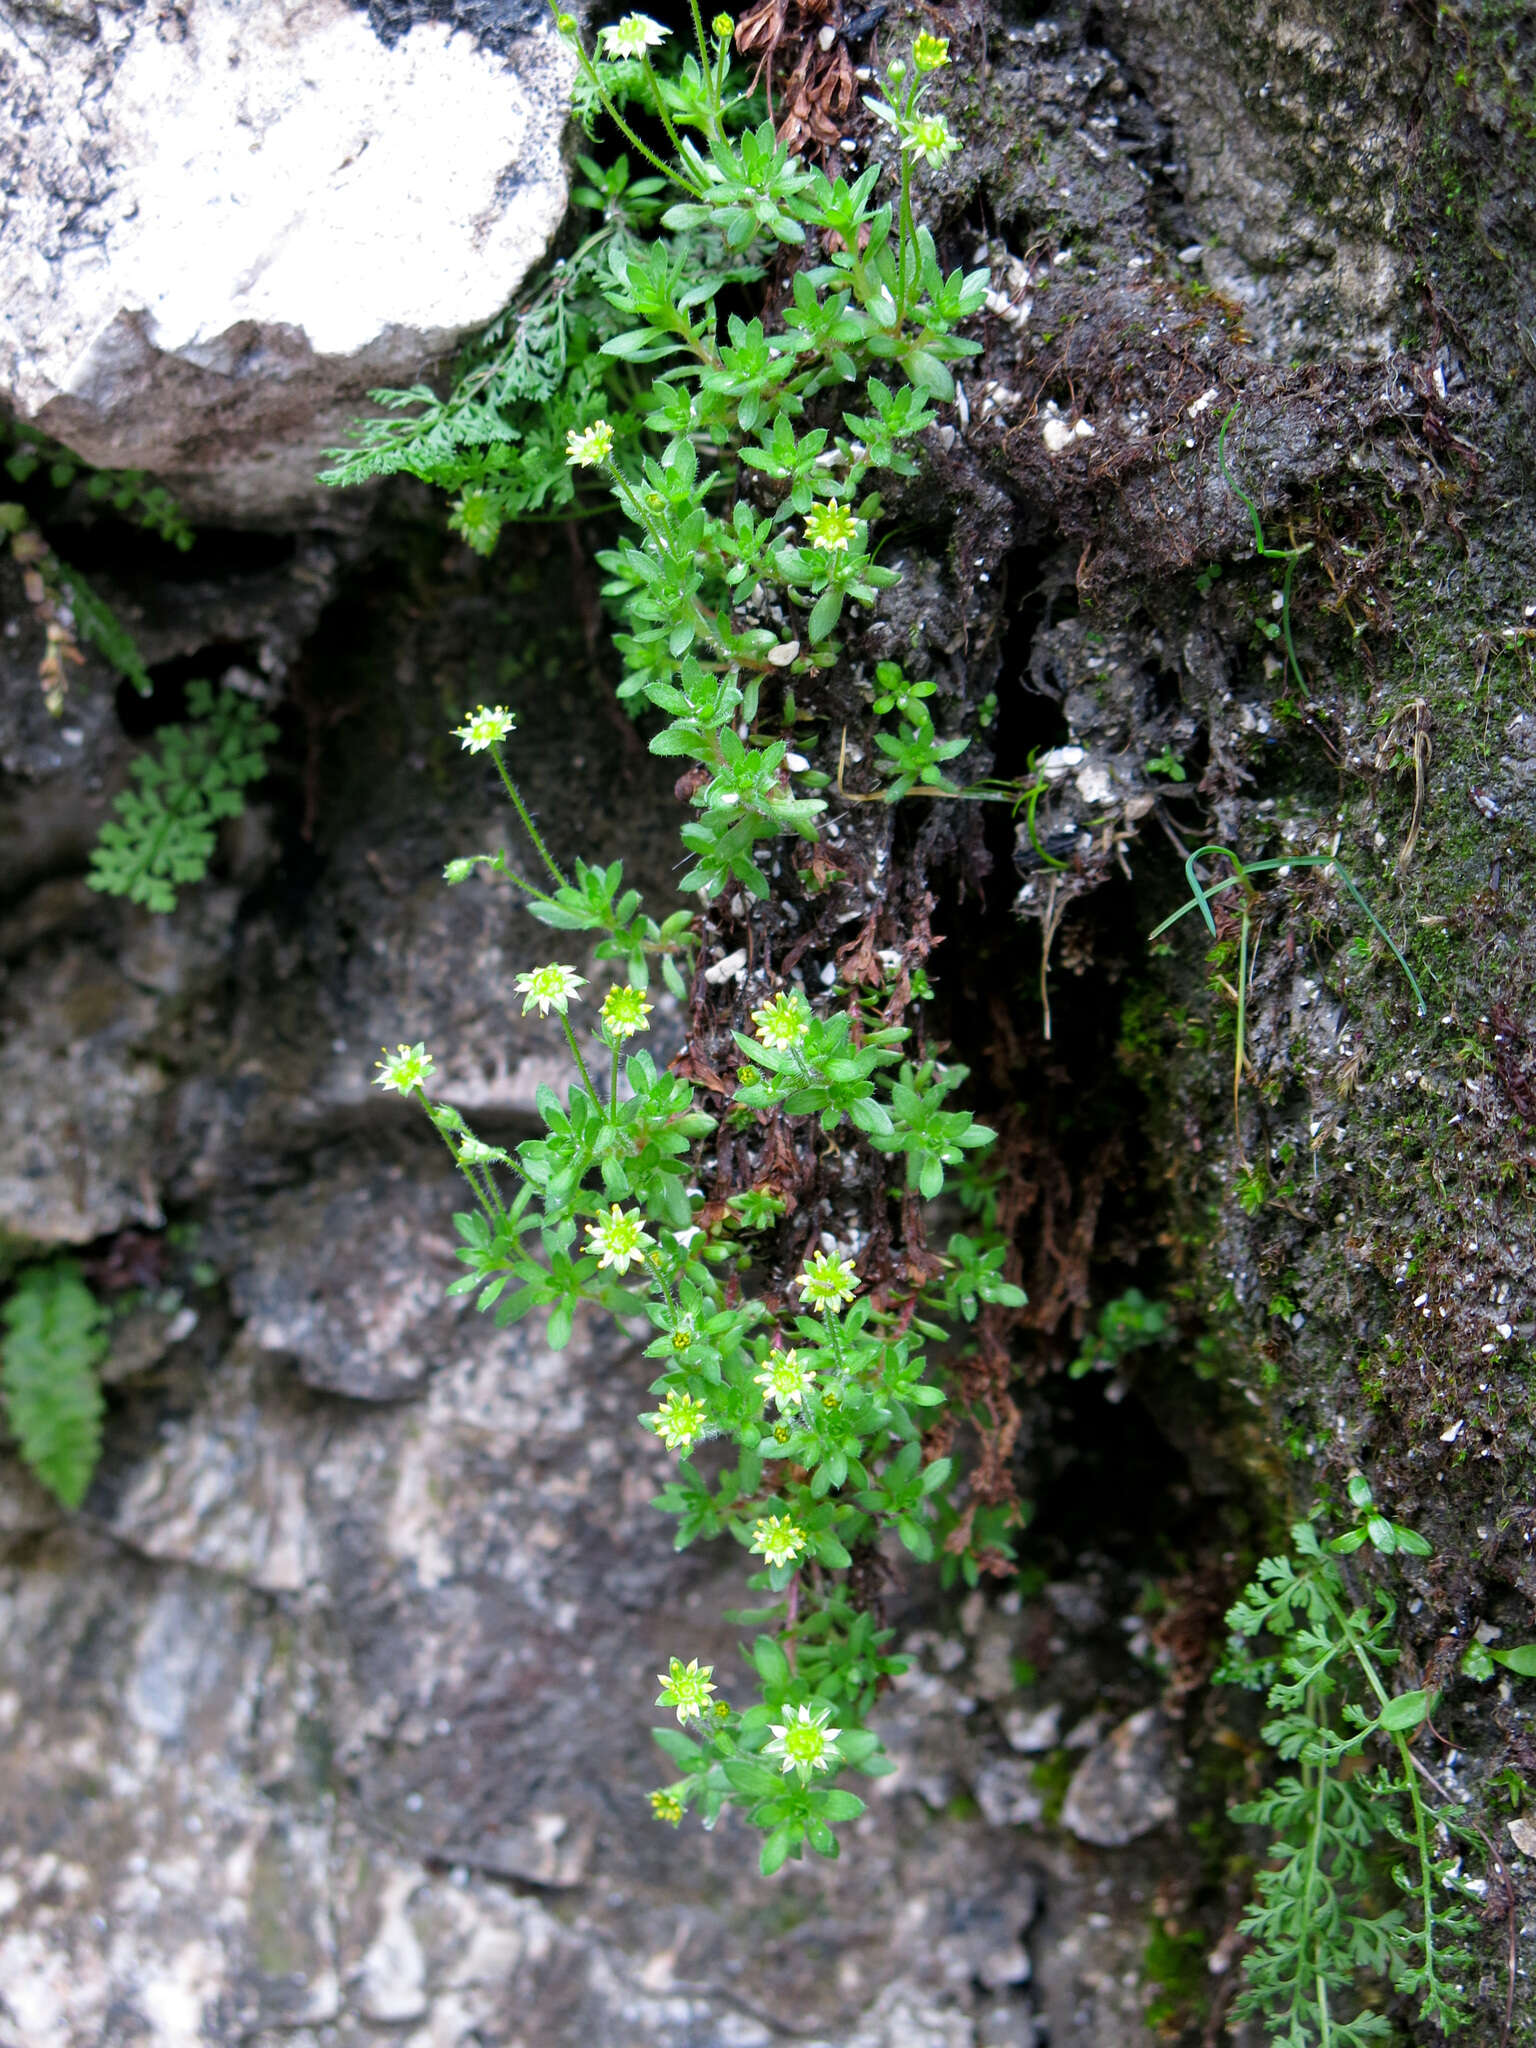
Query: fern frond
(96, 622)
(162, 836)
(54, 1340)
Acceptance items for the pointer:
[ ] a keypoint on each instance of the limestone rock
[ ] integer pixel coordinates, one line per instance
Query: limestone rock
(346, 1275)
(1121, 1789)
(225, 223)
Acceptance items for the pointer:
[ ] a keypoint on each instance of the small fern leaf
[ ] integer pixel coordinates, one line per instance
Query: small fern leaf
(96, 622)
(54, 1340)
(162, 835)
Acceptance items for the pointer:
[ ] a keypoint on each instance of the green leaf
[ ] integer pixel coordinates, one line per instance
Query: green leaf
(1476, 1663)
(55, 1339)
(838, 1805)
(1406, 1711)
(756, 1780)
(1521, 1660)
(680, 1747)
(825, 613)
(776, 1849)
(771, 1664)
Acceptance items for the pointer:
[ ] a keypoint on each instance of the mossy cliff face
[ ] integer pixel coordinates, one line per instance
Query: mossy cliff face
(1316, 223)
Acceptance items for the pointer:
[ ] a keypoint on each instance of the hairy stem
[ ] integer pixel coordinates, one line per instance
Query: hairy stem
(522, 811)
(570, 1039)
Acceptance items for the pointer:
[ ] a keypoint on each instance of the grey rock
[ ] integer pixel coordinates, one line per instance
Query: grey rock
(985, 1939)
(227, 223)
(326, 1724)
(1006, 2026)
(346, 1275)
(1033, 1731)
(1297, 268)
(1122, 1787)
(78, 1115)
(1007, 1794)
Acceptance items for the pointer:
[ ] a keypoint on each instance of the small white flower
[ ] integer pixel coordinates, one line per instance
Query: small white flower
(778, 1538)
(678, 1421)
(624, 1012)
(827, 1282)
(632, 36)
(784, 1380)
(550, 988)
(405, 1070)
(804, 1742)
(487, 727)
(686, 1687)
(620, 1240)
(784, 1022)
(589, 447)
(929, 138)
(831, 527)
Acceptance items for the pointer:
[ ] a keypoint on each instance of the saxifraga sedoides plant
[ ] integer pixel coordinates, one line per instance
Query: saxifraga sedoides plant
(746, 538)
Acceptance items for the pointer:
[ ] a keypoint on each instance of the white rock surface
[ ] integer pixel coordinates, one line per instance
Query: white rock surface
(223, 222)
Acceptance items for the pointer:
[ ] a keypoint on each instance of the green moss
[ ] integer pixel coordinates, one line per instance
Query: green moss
(1173, 1964)
(1050, 1778)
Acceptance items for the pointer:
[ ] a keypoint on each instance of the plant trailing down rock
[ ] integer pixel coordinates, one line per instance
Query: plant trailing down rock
(744, 475)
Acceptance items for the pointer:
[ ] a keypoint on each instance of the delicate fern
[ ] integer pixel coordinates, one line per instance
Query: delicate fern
(163, 834)
(128, 491)
(542, 369)
(96, 622)
(1313, 1936)
(54, 1340)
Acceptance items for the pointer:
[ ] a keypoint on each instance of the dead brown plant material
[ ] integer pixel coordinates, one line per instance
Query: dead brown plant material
(1516, 1077)
(804, 69)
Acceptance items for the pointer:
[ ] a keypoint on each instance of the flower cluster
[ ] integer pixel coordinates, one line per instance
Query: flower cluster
(644, 1192)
